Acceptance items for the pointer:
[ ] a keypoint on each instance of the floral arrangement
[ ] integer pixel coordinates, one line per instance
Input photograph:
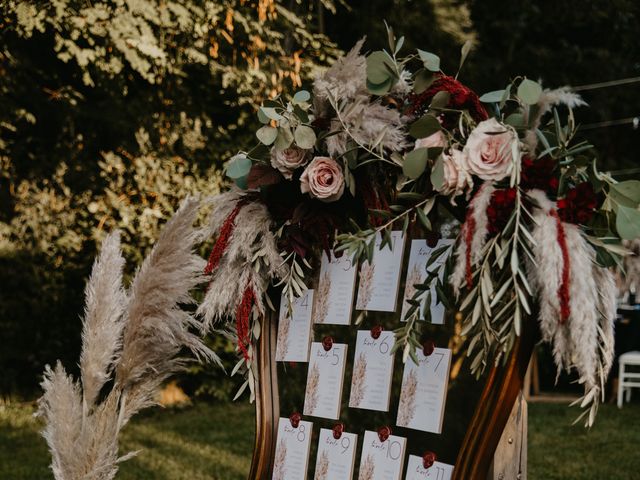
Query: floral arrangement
(386, 142)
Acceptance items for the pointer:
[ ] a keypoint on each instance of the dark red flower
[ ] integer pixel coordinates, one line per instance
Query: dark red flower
(428, 459)
(500, 209)
(539, 173)
(295, 419)
(461, 98)
(384, 433)
(327, 343)
(578, 205)
(428, 347)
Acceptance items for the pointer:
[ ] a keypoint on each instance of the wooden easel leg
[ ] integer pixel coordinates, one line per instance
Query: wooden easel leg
(510, 458)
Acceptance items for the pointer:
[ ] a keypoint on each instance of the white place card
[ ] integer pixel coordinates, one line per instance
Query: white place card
(417, 273)
(424, 391)
(379, 281)
(381, 460)
(292, 450)
(372, 371)
(437, 471)
(323, 395)
(336, 457)
(334, 296)
(294, 331)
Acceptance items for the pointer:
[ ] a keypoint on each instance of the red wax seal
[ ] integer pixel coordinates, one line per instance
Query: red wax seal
(428, 459)
(428, 347)
(327, 343)
(376, 331)
(384, 432)
(295, 419)
(338, 428)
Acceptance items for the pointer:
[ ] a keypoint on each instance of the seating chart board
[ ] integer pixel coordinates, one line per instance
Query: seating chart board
(439, 395)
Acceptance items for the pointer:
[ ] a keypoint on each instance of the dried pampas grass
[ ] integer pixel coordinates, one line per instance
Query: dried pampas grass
(251, 259)
(585, 341)
(132, 338)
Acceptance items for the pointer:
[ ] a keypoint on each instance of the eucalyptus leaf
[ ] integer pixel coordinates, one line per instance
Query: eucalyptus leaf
(422, 80)
(626, 193)
(284, 139)
(305, 137)
(378, 64)
(515, 120)
(464, 52)
(379, 88)
(415, 162)
(271, 113)
(267, 135)
(431, 61)
(440, 100)
(493, 97)
(437, 174)
(529, 91)
(424, 126)
(238, 166)
(301, 96)
(628, 222)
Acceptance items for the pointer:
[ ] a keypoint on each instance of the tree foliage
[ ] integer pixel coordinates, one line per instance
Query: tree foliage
(113, 111)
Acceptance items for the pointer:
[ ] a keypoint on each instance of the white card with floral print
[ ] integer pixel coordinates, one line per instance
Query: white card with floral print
(437, 471)
(323, 394)
(381, 460)
(424, 391)
(334, 295)
(379, 281)
(292, 450)
(336, 457)
(372, 371)
(294, 331)
(417, 273)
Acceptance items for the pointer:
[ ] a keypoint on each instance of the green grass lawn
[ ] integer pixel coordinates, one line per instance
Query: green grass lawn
(215, 442)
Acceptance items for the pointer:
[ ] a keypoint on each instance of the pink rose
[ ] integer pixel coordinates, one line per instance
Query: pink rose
(287, 160)
(323, 179)
(488, 152)
(432, 141)
(456, 178)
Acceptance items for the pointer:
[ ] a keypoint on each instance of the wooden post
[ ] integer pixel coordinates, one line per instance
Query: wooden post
(510, 458)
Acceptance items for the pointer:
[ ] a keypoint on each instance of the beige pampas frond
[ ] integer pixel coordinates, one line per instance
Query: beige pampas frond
(407, 406)
(548, 100)
(322, 468)
(279, 462)
(367, 469)
(478, 210)
(105, 301)
(321, 299)
(251, 258)
(365, 285)
(311, 392)
(358, 382)
(134, 338)
(583, 342)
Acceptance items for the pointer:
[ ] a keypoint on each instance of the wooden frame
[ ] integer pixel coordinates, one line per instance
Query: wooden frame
(499, 394)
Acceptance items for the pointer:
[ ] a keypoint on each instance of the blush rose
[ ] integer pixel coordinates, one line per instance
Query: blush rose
(488, 152)
(288, 160)
(323, 179)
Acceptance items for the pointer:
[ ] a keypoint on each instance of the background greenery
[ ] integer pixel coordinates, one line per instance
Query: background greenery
(215, 442)
(112, 111)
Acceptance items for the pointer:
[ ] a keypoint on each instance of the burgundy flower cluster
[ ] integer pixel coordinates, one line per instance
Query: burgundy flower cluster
(578, 205)
(500, 209)
(539, 174)
(461, 98)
